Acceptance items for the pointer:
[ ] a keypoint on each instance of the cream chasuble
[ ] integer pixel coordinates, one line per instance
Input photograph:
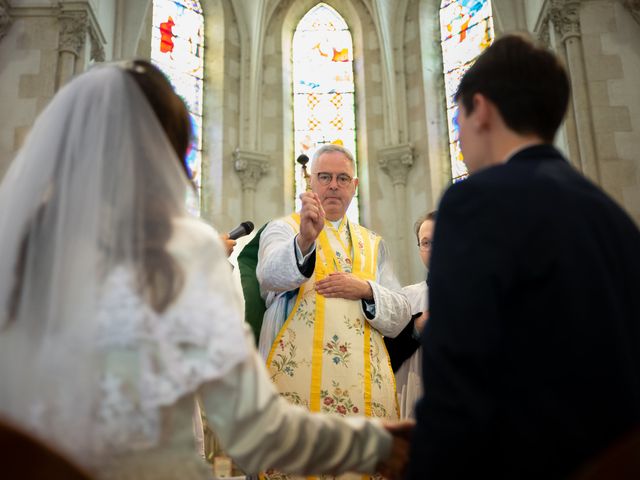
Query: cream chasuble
(326, 356)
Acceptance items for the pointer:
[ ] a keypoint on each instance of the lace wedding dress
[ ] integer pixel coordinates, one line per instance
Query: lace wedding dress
(153, 363)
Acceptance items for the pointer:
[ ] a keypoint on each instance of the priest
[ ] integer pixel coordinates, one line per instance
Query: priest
(331, 296)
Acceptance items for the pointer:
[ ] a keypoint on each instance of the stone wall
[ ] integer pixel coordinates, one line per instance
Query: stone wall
(599, 41)
(375, 190)
(230, 199)
(28, 57)
(419, 180)
(612, 57)
(42, 45)
(221, 192)
(275, 190)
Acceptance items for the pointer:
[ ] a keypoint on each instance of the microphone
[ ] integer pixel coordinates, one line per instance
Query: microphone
(245, 228)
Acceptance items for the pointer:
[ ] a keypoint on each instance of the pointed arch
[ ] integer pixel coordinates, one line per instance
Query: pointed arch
(177, 47)
(323, 87)
(466, 29)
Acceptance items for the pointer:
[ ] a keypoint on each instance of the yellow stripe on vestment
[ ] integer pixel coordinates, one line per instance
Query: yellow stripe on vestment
(369, 255)
(395, 388)
(294, 221)
(376, 249)
(356, 268)
(322, 270)
(316, 356)
(365, 258)
(367, 369)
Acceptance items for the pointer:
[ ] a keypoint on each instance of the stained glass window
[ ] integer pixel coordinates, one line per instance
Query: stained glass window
(177, 48)
(466, 28)
(323, 88)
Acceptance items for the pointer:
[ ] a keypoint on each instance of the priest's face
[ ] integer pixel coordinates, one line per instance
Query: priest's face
(332, 178)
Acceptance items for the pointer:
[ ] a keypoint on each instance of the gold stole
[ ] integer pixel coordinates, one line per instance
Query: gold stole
(326, 356)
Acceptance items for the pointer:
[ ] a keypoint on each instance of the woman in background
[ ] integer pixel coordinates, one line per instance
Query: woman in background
(408, 376)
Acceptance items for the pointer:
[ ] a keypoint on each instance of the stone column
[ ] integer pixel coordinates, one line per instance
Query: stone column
(74, 28)
(97, 47)
(565, 15)
(396, 161)
(634, 7)
(5, 18)
(250, 167)
(544, 34)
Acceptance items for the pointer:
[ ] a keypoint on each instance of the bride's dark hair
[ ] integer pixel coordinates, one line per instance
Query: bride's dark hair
(160, 273)
(168, 107)
(159, 276)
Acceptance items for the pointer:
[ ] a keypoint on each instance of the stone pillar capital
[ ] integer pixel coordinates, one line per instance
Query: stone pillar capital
(250, 167)
(396, 161)
(74, 26)
(5, 18)
(634, 7)
(544, 35)
(565, 15)
(97, 47)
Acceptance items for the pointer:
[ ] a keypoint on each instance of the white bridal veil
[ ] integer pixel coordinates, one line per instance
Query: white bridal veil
(94, 183)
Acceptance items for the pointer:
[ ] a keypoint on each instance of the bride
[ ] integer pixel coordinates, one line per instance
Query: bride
(117, 306)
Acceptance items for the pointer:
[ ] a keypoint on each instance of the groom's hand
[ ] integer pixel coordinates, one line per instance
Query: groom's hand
(394, 467)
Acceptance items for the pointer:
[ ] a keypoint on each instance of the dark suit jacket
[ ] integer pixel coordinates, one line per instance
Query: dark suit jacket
(532, 349)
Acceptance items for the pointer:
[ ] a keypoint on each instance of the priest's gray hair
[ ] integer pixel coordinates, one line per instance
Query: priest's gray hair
(330, 148)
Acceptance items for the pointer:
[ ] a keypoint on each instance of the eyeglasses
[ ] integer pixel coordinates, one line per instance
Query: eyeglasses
(425, 245)
(342, 179)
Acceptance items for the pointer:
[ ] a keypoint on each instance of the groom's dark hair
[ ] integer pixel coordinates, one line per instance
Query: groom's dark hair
(527, 84)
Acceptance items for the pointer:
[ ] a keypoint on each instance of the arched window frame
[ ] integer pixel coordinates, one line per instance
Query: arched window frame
(301, 97)
(177, 48)
(466, 29)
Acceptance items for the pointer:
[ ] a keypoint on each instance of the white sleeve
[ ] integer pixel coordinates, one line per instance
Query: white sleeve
(393, 311)
(277, 269)
(417, 294)
(259, 429)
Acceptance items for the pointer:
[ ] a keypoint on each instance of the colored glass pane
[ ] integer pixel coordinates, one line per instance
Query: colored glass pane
(454, 131)
(193, 5)
(458, 16)
(323, 88)
(452, 80)
(332, 78)
(458, 168)
(177, 48)
(466, 29)
(467, 45)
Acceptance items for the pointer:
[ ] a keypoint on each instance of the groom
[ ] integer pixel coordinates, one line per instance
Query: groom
(531, 361)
